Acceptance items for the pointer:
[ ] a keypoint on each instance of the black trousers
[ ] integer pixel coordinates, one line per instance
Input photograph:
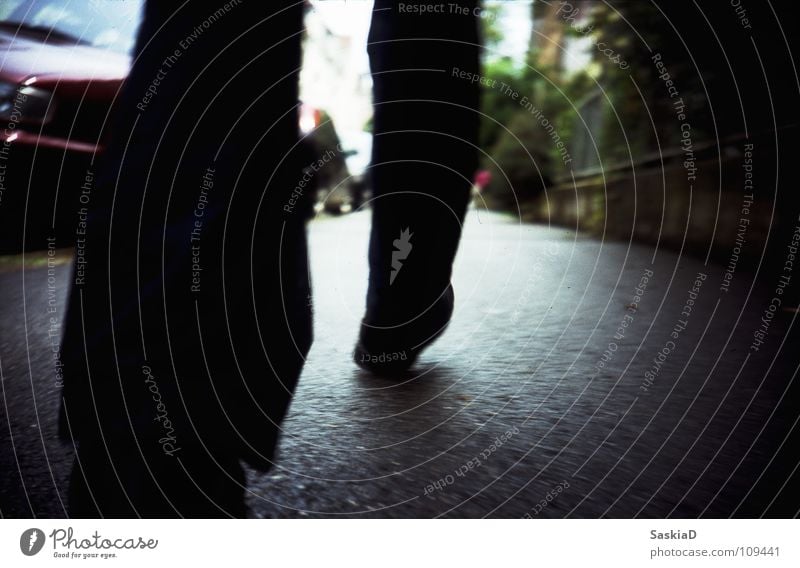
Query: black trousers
(188, 321)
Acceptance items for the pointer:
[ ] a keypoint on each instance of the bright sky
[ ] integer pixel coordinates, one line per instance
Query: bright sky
(351, 17)
(515, 21)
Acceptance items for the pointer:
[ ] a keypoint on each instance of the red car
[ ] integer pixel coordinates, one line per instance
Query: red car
(61, 65)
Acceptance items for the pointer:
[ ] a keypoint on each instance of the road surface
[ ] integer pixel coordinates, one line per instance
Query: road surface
(578, 378)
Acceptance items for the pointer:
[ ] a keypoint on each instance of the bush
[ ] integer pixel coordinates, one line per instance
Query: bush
(497, 107)
(523, 163)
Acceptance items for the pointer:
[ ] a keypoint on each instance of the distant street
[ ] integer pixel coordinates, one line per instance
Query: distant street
(578, 378)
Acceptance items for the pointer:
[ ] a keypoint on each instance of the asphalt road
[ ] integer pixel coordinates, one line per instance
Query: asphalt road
(559, 390)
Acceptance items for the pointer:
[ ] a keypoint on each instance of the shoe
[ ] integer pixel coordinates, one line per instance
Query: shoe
(391, 349)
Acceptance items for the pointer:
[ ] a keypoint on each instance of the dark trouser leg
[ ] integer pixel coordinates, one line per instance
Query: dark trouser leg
(193, 264)
(143, 481)
(424, 158)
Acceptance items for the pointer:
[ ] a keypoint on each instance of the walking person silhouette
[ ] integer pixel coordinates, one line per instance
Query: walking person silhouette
(189, 325)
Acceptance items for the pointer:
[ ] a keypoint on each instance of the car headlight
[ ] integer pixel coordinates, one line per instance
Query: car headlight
(25, 104)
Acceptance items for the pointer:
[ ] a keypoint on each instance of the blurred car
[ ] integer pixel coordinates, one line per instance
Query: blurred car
(343, 179)
(357, 146)
(61, 65)
(328, 162)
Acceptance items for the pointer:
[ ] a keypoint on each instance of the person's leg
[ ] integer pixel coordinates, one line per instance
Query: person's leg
(424, 158)
(188, 327)
(122, 477)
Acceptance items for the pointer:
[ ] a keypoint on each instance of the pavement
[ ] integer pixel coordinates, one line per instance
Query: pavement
(579, 378)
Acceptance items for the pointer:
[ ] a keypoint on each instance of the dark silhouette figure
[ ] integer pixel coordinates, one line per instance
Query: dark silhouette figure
(424, 158)
(189, 320)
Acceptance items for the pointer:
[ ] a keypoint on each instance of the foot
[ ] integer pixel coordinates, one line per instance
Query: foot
(390, 349)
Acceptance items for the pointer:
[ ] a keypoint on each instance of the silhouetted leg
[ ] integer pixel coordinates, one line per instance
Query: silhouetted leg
(139, 480)
(188, 323)
(424, 159)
